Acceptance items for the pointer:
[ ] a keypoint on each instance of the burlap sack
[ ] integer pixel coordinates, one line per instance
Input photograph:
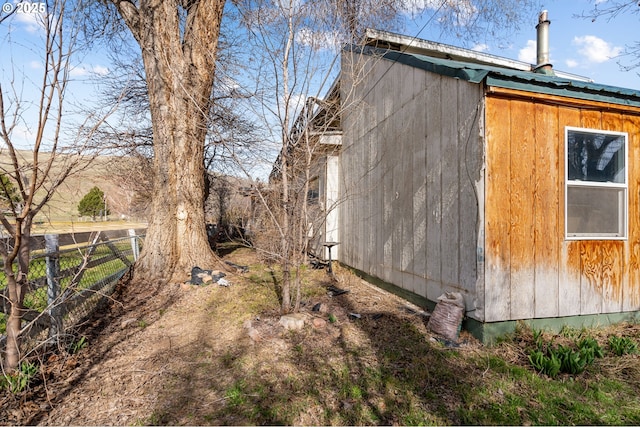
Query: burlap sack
(446, 318)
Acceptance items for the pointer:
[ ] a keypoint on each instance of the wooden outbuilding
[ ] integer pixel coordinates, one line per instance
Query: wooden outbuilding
(464, 172)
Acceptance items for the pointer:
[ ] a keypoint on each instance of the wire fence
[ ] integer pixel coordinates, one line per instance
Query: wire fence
(66, 285)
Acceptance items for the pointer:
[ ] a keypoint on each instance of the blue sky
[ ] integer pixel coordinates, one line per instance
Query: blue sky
(577, 45)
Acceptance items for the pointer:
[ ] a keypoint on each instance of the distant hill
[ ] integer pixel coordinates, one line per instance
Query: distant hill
(99, 172)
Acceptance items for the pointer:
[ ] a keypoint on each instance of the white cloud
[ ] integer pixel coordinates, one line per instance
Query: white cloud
(30, 21)
(481, 47)
(594, 49)
(458, 12)
(100, 70)
(86, 70)
(318, 40)
(528, 53)
(571, 63)
(413, 7)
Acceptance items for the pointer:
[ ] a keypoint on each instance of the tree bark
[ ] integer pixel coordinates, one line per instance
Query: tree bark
(17, 286)
(179, 60)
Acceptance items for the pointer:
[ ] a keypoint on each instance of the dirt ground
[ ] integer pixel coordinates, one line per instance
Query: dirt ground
(154, 354)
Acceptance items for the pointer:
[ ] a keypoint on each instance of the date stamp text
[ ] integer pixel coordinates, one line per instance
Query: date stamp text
(25, 7)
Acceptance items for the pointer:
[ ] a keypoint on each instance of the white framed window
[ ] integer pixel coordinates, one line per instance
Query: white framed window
(595, 184)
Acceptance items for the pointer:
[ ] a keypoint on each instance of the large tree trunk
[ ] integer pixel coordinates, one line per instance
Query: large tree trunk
(179, 60)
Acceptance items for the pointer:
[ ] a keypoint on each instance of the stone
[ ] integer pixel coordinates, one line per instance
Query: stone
(254, 334)
(127, 322)
(293, 322)
(319, 323)
(320, 307)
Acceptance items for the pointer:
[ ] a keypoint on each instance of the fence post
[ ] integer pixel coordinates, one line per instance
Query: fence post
(134, 244)
(53, 284)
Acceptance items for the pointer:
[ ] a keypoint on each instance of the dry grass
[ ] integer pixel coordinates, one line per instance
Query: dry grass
(215, 355)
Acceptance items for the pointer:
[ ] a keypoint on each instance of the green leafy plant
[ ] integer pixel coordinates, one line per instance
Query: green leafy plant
(78, 345)
(622, 345)
(571, 361)
(537, 338)
(590, 349)
(18, 382)
(551, 360)
(543, 363)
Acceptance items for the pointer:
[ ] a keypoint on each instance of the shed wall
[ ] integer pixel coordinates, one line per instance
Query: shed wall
(411, 159)
(531, 271)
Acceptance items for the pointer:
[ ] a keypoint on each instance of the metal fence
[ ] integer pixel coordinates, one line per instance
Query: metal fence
(66, 285)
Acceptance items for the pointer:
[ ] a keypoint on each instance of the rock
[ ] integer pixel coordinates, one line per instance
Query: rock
(186, 286)
(293, 321)
(319, 323)
(206, 278)
(254, 334)
(320, 307)
(127, 322)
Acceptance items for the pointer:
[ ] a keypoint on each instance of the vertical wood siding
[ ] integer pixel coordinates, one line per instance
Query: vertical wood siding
(411, 159)
(531, 271)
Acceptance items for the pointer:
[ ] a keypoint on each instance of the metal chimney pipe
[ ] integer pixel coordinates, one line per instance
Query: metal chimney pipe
(543, 65)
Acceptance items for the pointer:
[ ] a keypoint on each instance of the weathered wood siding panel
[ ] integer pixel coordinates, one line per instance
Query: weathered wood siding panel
(531, 271)
(418, 161)
(546, 194)
(497, 290)
(522, 176)
(569, 281)
(630, 287)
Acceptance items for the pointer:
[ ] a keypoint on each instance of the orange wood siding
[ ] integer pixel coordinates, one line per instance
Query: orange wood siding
(531, 271)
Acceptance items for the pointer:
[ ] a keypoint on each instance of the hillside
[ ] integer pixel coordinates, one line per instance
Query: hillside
(100, 172)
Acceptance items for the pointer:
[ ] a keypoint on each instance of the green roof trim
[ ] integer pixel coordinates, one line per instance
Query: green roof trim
(510, 78)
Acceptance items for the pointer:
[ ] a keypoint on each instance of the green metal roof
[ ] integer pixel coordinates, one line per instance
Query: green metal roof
(512, 79)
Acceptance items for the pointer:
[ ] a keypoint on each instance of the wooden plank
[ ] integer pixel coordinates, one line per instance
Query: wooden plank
(408, 134)
(378, 210)
(563, 101)
(497, 303)
(522, 177)
(419, 173)
(450, 237)
(590, 251)
(433, 185)
(569, 278)
(388, 200)
(631, 283)
(612, 272)
(364, 201)
(470, 166)
(591, 277)
(547, 202)
(615, 274)
(398, 190)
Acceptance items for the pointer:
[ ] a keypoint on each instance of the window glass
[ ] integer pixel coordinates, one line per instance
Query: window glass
(596, 184)
(595, 157)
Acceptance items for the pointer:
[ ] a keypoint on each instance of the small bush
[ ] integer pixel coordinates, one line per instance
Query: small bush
(546, 364)
(551, 360)
(622, 345)
(19, 382)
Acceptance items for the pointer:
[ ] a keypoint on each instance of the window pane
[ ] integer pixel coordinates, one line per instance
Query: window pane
(595, 210)
(595, 157)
